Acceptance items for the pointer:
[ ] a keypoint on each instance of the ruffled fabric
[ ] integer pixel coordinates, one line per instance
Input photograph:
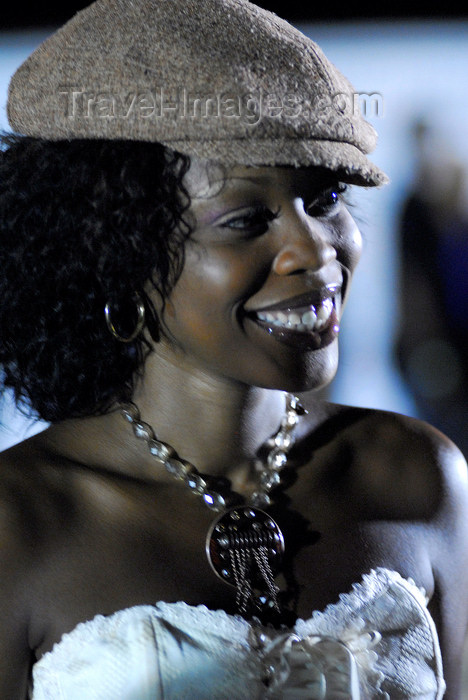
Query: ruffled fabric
(378, 642)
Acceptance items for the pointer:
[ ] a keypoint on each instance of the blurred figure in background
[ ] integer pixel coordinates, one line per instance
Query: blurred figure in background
(431, 346)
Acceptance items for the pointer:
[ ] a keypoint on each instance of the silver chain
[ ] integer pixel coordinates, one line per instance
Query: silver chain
(264, 567)
(203, 485)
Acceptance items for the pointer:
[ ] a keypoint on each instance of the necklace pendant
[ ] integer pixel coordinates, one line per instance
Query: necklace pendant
(244, 545)
(245, 548)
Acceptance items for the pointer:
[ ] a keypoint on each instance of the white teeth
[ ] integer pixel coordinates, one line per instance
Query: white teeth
(310, 317)
(282, 317)
(323, 313)
(294, 319)
(314, 319)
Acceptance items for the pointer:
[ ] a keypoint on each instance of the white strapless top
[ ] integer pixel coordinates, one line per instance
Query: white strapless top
(377, 642)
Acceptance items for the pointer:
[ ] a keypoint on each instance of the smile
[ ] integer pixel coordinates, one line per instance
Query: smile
(313, 318)
(306, 322)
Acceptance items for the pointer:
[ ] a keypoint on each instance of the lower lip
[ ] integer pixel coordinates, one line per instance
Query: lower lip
(304, 340)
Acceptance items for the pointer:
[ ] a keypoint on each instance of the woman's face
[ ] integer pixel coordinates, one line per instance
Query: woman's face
(266, 271)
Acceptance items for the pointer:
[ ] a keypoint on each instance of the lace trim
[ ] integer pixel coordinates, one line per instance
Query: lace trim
(348, 621)
(372, 586)
(218, 622)
(342, 625)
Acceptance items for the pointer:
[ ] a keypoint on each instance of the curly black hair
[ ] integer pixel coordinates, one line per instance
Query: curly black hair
(83, 223)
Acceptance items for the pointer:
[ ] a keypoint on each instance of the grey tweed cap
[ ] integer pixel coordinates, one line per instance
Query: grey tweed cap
(219, 79)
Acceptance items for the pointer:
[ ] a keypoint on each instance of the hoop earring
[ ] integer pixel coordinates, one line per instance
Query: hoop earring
(139, 324)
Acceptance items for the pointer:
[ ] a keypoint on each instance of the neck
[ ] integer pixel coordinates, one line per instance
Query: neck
(216, 424)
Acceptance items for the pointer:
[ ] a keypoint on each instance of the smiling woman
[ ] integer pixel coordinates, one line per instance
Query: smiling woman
(171, 277)
(267, 268)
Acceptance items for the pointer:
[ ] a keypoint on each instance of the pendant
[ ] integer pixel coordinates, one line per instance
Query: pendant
(245, 548)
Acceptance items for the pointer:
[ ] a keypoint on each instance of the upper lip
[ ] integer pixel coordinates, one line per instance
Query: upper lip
(312, 297)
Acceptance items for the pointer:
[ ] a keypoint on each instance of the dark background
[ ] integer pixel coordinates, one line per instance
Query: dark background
(23, 13)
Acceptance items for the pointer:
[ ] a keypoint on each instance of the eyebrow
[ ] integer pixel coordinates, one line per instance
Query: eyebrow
(257, 180)
(254, 180)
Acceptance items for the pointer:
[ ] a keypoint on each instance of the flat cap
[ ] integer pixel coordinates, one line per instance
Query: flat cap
(219, 79)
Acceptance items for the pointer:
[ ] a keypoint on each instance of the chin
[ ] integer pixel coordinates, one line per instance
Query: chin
(310, 371)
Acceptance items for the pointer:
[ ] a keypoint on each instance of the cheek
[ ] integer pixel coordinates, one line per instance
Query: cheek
(206, 297)
(355, 248)
(349, 243)
(223, 276)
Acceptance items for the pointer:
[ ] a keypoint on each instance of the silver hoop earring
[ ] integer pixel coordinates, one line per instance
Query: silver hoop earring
(140, 323)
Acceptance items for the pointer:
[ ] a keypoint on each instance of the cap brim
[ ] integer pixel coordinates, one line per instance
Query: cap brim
(349, 162)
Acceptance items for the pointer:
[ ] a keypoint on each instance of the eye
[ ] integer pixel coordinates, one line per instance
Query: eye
(253, 221)
(327, 202)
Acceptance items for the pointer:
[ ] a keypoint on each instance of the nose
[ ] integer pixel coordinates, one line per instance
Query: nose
(305, 246)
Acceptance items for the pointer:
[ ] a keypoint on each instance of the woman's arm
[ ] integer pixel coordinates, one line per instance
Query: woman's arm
(16, 598)
(449, 556)
(14, 654)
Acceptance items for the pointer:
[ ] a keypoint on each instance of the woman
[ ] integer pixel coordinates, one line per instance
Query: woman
(173, 225)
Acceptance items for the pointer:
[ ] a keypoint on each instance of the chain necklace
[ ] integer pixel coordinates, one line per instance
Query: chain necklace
(244, 545)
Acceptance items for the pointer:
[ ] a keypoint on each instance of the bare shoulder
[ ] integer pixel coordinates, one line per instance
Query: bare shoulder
(405, 462)
(33, 487)
(426, 476)
(18, 524)
(420, 459)
(27, 485)
(407, 484)
(19, 535)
